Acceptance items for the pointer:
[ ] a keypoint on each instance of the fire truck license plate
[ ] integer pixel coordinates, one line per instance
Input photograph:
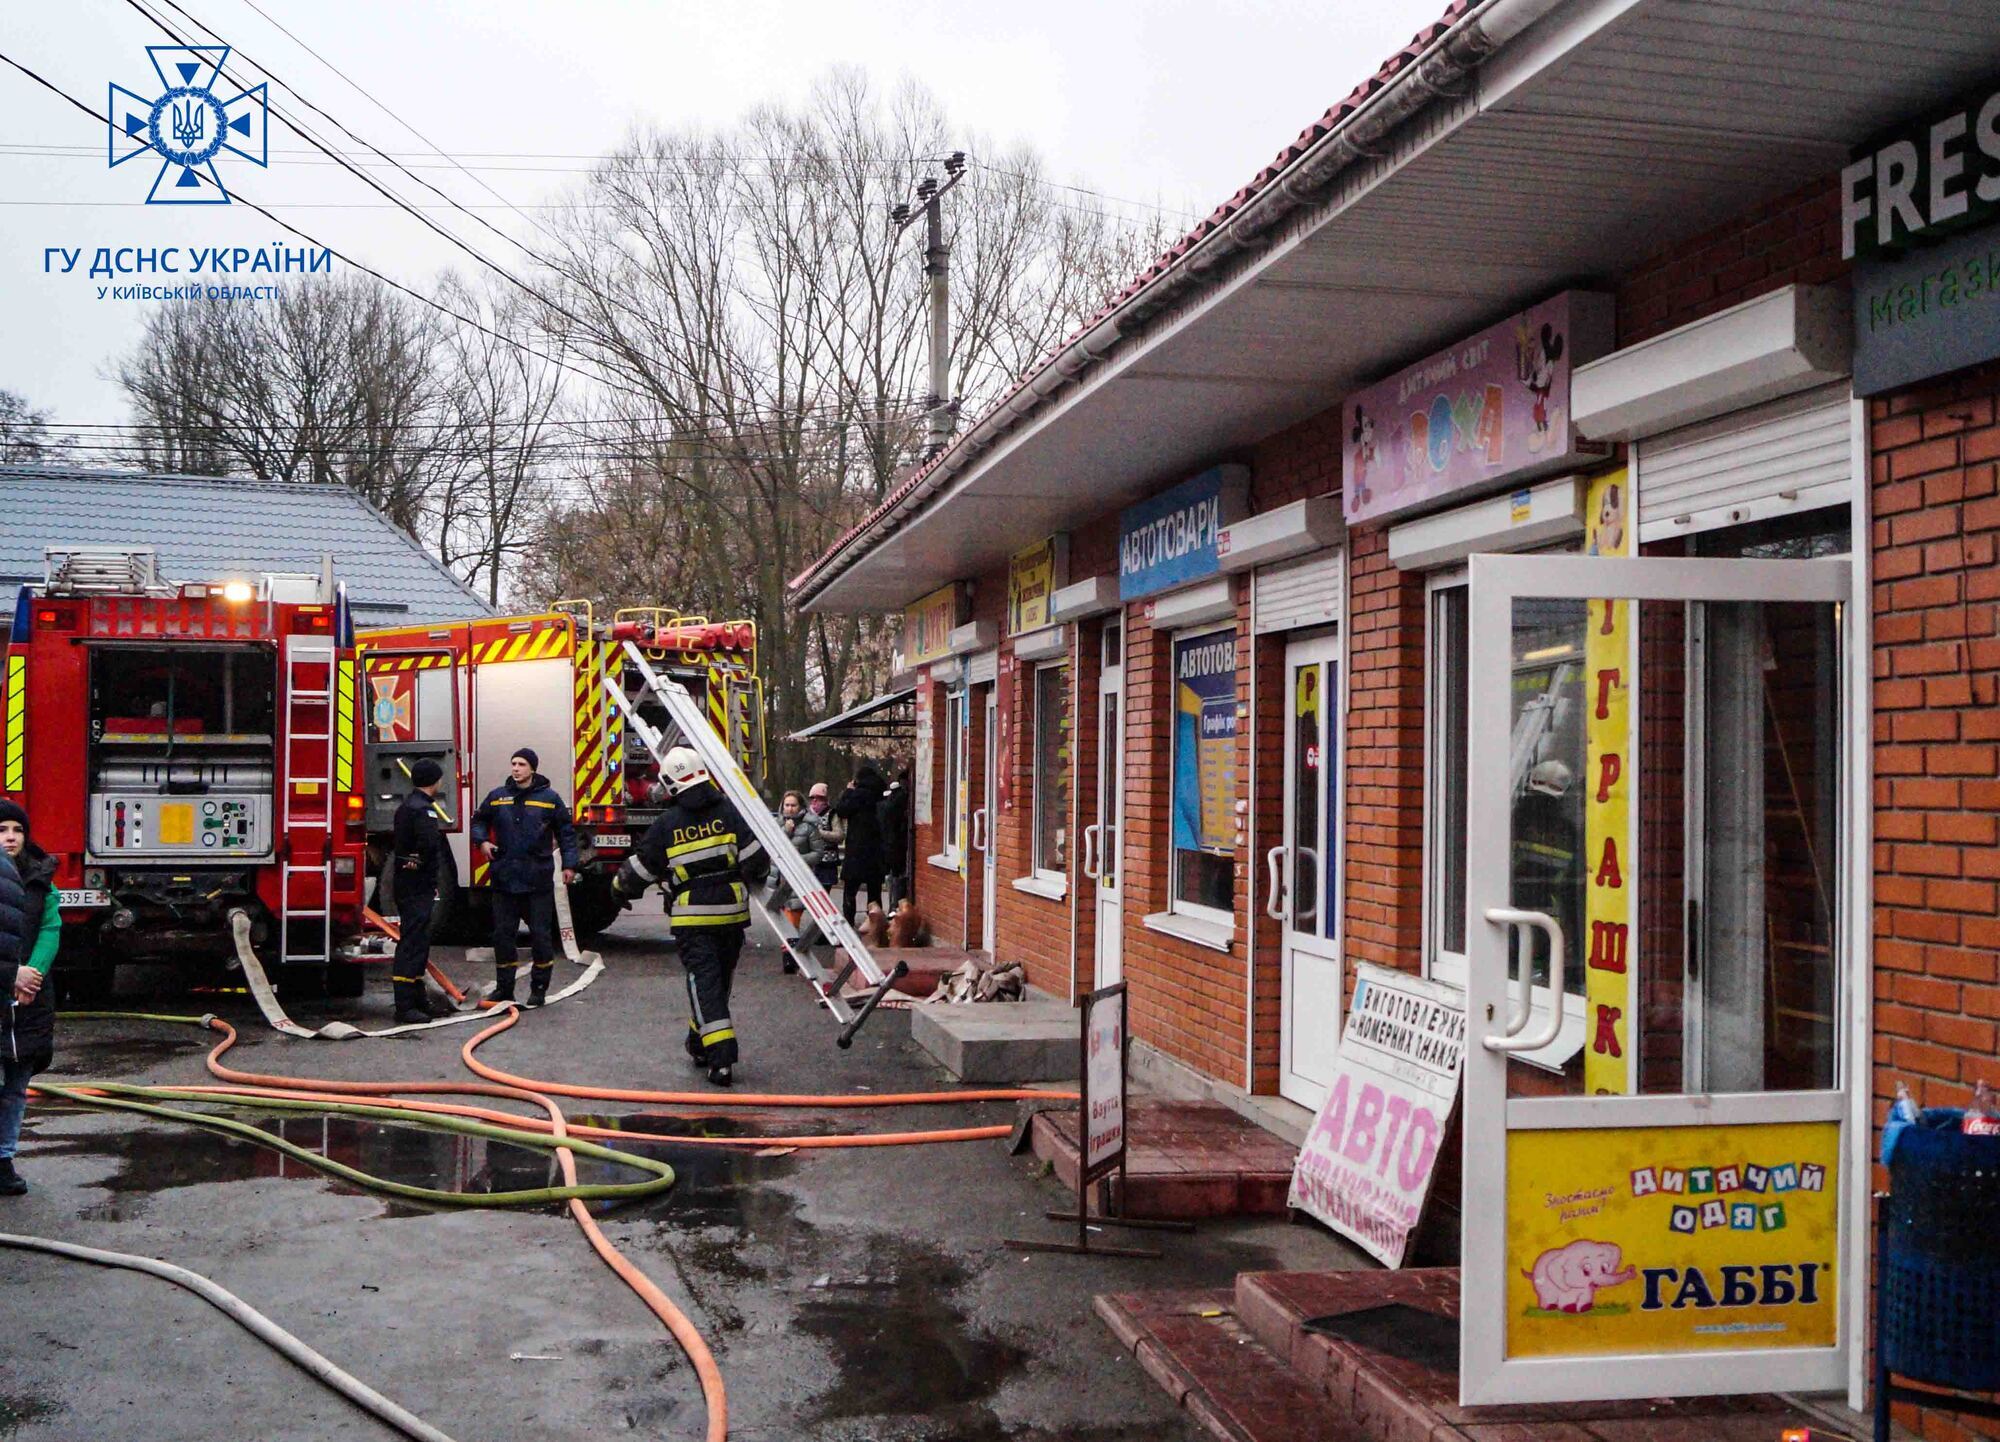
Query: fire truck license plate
(83, 898)
(620, 840)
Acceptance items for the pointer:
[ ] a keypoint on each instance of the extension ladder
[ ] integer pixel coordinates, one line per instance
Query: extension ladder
(306, 804)
(694, 727)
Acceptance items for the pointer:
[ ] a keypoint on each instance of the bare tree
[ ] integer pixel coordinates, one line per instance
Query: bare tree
(334, 381)
(499, 397)
(764, 330)
(24, 433)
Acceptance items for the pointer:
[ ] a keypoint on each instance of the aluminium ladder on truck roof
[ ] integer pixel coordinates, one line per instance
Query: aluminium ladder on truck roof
(723, 769)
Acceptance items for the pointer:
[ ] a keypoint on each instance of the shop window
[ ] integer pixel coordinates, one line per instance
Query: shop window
(1444, 785)
(1764, 872)
(1051, 778)
(1203, 772)
(954, 777)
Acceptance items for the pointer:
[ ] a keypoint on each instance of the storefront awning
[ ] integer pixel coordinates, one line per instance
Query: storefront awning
(892, 716)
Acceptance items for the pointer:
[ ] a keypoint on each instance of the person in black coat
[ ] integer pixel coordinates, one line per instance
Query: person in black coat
(895, 814)
(28, 1041)
(417, 844)
(514, 826)
(867, 860)
(705, 858)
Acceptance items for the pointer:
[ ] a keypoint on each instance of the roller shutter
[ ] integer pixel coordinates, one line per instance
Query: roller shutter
(1310, 591)
(1775, 459)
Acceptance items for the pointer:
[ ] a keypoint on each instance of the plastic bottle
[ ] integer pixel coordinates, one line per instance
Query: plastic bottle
(1902, 1114)
(1980, 1120)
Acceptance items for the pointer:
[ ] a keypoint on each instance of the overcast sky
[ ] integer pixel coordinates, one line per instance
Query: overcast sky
(1161, 103)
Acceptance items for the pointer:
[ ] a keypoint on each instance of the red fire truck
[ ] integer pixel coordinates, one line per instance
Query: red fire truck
(188, 750)
(468, 694)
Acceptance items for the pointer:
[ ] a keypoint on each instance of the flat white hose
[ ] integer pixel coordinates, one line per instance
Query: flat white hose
(252, 1321)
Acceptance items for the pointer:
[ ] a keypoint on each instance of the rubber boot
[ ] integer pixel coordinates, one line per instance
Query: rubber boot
(11, 1181)
(503, 984)
(538, 989)
(721, 1076)
(696, 1052)
(437, 1005)
(410, 1008)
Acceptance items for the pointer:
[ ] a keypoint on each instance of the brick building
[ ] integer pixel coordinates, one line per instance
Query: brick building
(1622, 368)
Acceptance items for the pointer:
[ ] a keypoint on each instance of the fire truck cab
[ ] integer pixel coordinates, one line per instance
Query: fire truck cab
(185, 751)
(468, 694)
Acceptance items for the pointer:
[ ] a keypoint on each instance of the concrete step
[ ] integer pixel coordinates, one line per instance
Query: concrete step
(928, 964)
(1001, 1041)
(1236, 1388)
(1394, 1377)
(1185, 1160)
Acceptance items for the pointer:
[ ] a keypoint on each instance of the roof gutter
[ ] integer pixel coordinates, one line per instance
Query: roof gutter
(1438, 73)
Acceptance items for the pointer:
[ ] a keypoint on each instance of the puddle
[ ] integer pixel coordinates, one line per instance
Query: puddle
(108, 1056)
(18, 1409)
(711, 1183)
(713, 1186)
(900, 1346)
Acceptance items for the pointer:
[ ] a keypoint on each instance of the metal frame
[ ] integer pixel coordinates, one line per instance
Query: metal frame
(1039, 872)
(1175, 906)
(1486, 1375)
(1435, 584)
(1110, 762)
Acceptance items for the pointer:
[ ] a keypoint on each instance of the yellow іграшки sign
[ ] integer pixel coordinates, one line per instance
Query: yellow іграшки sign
(1672, 1239)
(1611, 954)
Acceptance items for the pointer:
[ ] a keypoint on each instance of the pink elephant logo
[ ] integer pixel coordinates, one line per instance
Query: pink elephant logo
(1568, 1279)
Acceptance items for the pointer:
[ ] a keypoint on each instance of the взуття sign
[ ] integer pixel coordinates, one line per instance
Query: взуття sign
(1493, 408)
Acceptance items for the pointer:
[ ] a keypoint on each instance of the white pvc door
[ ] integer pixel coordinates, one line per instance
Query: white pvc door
(983, 837)
(1104, 834)
(1303, 872)
(1634, 1229)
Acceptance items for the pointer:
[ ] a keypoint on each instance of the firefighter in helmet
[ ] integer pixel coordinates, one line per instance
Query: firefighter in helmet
(705, 859)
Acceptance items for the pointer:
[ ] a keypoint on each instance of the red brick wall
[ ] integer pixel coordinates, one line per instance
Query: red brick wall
(1936, 528)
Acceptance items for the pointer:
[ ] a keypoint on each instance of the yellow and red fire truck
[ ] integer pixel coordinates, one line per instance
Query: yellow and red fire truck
(186, 751)
(468, 694)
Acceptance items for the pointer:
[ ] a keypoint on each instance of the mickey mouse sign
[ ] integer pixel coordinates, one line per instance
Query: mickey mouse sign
(1491, 410)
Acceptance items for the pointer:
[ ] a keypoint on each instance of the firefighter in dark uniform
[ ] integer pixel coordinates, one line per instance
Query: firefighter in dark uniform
(417, 844)
(705, 859)
(514, 826)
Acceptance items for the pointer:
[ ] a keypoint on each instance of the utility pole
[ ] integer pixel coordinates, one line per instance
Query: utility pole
(942, 410)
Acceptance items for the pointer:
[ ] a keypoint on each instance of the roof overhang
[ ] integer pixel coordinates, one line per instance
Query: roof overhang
(888, 717)
(1602, 132)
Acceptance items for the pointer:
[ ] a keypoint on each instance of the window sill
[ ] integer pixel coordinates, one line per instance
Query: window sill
(944, 863)
(1215, 935)
(1045, 886)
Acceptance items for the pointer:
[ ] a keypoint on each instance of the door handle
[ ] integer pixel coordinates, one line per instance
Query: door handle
(1090, 834)
(979, 829)
(1511, 1040)
(1312, 857)
(1274, 893)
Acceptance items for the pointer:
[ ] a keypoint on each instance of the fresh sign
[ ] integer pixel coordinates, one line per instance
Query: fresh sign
(1936, 177)
(928, 624)
(1033, 576)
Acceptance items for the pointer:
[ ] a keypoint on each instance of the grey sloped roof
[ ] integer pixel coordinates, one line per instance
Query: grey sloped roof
(204, 528)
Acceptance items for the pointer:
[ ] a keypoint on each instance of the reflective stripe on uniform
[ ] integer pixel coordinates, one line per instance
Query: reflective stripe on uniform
(645, 872)
(700, 843)
(710, 1038)
(545, 805)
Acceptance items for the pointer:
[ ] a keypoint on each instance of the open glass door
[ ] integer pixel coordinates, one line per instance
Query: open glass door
(1667, 1215)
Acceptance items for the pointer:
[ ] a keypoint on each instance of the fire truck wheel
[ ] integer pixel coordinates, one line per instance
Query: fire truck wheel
(346, 979)
(84, 980)
(592, 906)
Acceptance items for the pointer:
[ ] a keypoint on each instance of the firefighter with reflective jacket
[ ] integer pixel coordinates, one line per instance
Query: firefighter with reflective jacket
(704, 858)
(413, 861)
(519, 825)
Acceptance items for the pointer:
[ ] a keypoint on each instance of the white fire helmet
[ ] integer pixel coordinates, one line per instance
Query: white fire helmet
(682, 769)
(1551, 778)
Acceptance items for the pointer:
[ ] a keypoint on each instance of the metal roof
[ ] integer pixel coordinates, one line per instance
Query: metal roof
(1525, 146)
(207, 528)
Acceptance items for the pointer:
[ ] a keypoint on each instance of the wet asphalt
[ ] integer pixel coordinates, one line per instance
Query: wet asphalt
(857, 1294)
